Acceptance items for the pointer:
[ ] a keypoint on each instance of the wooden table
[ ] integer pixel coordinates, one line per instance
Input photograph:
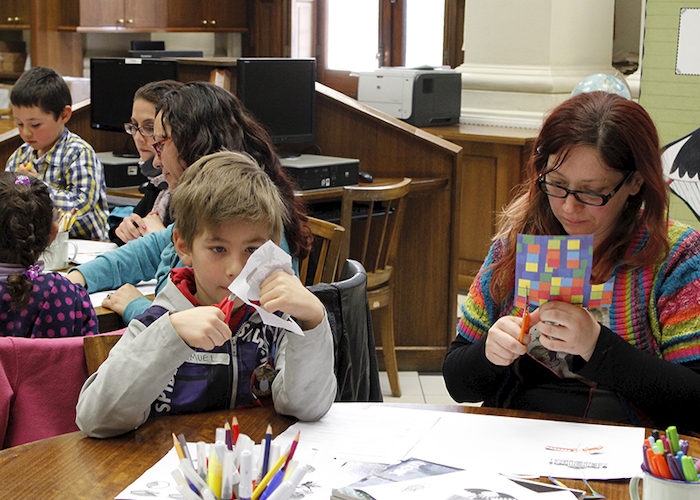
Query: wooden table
(75, 466)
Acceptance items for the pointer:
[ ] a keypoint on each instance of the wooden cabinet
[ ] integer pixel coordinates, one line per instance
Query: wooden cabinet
(14, 14)
(493, 159)
(115, 13)
(283, 28)
(208, 15)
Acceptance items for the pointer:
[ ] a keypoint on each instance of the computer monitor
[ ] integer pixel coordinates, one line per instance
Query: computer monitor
(113, 82)
(281, 94)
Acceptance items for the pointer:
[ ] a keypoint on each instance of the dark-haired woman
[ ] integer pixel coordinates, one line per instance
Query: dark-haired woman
(151, 212)
(196, 119)
(595, 169)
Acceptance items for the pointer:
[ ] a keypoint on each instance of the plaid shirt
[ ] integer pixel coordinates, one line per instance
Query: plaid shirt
(75, 177)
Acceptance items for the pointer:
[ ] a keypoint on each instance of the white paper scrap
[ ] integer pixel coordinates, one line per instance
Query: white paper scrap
(263, 262)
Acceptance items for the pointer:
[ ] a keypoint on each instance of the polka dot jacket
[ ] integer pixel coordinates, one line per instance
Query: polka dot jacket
(57, 308)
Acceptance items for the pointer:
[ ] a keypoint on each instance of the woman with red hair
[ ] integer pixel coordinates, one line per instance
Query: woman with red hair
(595, 169)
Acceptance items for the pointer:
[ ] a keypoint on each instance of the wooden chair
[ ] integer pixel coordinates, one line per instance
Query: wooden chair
(328, 238)
(97, 349)
(376, 254)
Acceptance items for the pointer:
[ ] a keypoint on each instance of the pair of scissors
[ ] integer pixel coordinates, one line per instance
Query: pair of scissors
(525, 328)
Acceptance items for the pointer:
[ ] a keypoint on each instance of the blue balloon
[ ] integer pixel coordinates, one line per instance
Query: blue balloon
(604, 82)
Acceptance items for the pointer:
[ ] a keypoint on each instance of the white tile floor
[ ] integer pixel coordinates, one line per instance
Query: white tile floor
(428, 388)
(417, 387)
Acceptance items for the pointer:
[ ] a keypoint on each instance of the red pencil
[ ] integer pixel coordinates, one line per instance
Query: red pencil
(291, 450)
(236, 431)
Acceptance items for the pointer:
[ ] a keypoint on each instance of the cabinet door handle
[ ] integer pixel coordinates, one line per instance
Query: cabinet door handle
(131, 21)
(213, 21)
(120, 21)
(204, 22)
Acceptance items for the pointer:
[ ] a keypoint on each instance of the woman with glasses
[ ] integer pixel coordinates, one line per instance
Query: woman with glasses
(595, 170)
(151, 213)
(197, 119)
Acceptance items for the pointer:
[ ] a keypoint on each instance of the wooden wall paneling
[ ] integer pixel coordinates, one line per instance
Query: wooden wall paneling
(426, 265)
(493, 160)
(477, 206)
(59, 50)
(268, 29)
(9, 141)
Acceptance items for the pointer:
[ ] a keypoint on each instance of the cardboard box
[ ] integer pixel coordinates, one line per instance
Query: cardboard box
(13, 56)
(13, 47)
(13, 62)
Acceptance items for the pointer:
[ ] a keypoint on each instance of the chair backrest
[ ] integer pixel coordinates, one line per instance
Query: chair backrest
(328, 238)
(40, 380)
(348, 313)
(97, 349)
(377, 247)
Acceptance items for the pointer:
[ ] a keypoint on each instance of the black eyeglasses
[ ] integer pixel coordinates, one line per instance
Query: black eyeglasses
(146, 130)
(585, 197)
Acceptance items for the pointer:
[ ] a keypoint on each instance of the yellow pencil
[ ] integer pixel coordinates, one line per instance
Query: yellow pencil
(268, 477)
(178, 448)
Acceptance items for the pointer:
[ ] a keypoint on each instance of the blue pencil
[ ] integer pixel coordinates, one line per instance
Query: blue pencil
(266, 456)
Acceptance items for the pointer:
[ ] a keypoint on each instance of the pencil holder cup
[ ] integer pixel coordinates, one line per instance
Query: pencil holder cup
(60, 253)
(658, 488)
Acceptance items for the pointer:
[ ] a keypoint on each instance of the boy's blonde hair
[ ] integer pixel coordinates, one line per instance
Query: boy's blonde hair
(226, 186)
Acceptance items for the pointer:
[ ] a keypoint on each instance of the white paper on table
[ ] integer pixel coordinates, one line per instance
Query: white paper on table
(157, 482)
(88, 250)
(462, 484)
(519, 446)
(263, 262)
(376, 434)
(145, 287)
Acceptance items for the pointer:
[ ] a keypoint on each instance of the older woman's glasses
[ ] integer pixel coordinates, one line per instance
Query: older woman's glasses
(585, 197)
(158, 145)
(146, 130)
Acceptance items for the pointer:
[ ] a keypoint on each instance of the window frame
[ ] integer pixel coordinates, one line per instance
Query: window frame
(392, 41)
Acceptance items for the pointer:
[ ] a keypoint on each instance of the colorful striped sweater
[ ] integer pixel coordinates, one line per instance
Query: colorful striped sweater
(655, 309)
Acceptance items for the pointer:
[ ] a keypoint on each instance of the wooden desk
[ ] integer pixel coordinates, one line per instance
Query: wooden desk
(75, 466)
(493, 159)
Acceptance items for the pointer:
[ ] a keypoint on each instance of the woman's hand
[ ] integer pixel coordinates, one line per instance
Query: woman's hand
(134, 226)
(502, 345)
(566, 328)
(118, 300)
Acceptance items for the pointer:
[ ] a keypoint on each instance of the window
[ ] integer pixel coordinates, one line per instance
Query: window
(362, 35)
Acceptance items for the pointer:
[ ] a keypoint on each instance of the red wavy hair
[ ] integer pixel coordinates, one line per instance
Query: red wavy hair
(625, 137)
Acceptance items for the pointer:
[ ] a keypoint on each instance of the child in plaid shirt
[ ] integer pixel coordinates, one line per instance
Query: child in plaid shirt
(41, 106)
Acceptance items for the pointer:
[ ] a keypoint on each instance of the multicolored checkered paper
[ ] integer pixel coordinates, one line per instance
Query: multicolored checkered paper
(557, 268)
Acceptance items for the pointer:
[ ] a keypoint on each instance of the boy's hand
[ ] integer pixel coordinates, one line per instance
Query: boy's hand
(27, 169)
(283, 292)
(201, 327)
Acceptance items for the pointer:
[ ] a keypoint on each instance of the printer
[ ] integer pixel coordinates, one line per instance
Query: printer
(421, 97)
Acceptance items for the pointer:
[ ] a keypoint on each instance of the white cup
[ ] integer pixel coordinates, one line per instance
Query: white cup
(57, 256)
(658, 488)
